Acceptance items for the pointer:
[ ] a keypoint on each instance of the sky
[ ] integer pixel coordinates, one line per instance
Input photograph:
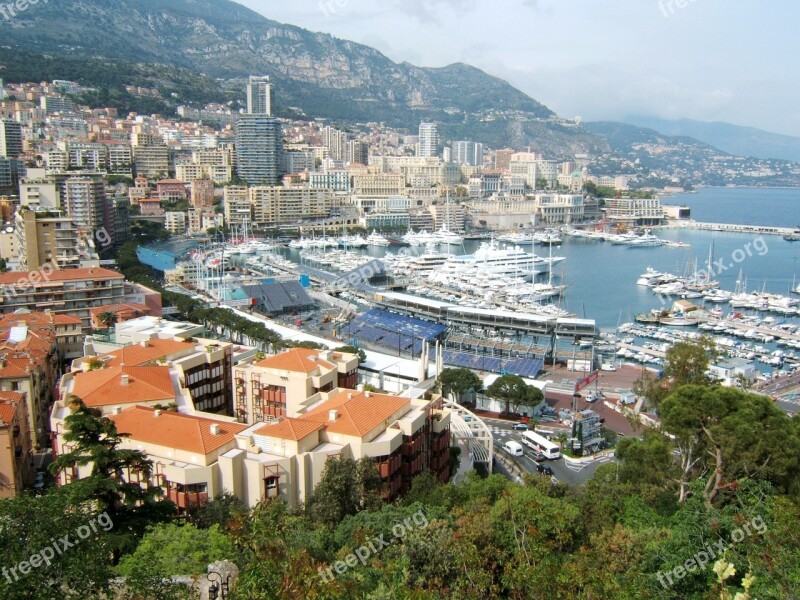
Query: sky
(710, 60)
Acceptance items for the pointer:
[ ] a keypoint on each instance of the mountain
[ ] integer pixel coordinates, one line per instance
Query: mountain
(741, 141)
(314, 74)
(656, 159)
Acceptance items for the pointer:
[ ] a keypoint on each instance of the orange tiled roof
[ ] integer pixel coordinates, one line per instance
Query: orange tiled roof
(104, 387)
(156, 348)
(62, 275)
(8, 411)
(115, 308)
(289, 429)
(37, 319)
(9, 396)
(174, 430)
(297, 360)
(357, 415)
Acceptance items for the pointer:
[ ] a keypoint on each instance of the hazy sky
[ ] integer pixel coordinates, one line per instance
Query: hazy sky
(728, 60)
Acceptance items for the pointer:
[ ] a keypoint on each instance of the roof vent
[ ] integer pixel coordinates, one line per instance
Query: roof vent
(157, 413)
(116, 410)
(143, 344)
(124, 379)
(214, 429)
(350, 396)
(333, 415)
(367, 394)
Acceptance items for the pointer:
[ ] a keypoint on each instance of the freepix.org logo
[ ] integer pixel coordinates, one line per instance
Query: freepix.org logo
(357, 277)
(12, 9)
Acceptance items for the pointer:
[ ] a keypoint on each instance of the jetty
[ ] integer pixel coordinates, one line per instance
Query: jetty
(730, 228)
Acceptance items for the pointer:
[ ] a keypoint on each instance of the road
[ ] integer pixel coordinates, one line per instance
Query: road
(564, 472)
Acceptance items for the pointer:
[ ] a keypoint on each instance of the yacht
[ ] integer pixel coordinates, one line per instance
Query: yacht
(424, 264)
(548, 238)
(500, 261)
(648, 240)
(520, 239)
(376, 239)
(445, 236)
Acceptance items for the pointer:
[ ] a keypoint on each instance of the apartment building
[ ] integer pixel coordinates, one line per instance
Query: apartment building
(236, 204)
(383, 184)
(635, 212)
(171, 190)
(16, 453)
(68, 330)
(278, 205)
(123, 312)
(280, 385)
(151, 161)
(197, 457)
(259, 144)
(84, 200)
(203, 366)
(72, 292)
(175, 222)
(30, 364)
(202, 193)
(141, 190)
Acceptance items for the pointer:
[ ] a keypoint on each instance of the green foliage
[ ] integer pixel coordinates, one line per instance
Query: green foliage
(362, 356)
(172, 549)
(345, 488)
(456, 382)
(30, 524)
(220, 511)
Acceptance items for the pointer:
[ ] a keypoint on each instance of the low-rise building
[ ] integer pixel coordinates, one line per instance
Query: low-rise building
(16, 453)
(734, 372)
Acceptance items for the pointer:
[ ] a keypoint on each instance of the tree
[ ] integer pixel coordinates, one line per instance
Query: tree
(32, 524)
(362, 356)
(174, 549)
(107, 318)
(686, 363)
(345, 488)
(532, 397)
(508, 389)
(727, 435)
(457, 382)
(221, 511)
(95, 442)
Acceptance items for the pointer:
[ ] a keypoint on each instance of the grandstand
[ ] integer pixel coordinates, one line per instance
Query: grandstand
(396, 332)
(279, 297)
(524, 367)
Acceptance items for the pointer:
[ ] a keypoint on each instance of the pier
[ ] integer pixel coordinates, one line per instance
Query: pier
(729, 228)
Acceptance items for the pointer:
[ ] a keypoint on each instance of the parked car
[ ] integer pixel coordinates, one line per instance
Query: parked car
(520, 426)
(544, 470)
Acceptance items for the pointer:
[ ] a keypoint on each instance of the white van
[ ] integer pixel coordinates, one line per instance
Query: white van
(513, 448)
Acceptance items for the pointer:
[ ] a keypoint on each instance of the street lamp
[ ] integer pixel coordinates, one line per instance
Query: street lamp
(218, 591)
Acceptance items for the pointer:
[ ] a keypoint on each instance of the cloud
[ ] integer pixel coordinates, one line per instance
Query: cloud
(431, 11)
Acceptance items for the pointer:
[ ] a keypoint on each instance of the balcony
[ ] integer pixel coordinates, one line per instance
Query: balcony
(187, 499)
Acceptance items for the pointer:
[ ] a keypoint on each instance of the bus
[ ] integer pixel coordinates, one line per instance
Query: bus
(542, 444)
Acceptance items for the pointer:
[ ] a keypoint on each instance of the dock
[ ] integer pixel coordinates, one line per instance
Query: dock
(730, 228)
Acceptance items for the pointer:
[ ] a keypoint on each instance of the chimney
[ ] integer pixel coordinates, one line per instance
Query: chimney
(157, 413)
(116, 410)
(366, 394)
(350, 396)
(124, 379)
(214, 429)
(360, 387)
(143, 344)
(333, 415)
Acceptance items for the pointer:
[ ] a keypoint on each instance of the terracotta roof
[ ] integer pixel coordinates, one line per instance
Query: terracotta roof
(36, 319)
(357, 415)
(290, 429)
(9, 396)
(156, 348)
(297, 360)
(116, 308)
(61, 275)
(8, 411)
(104, 387)
(175, 430)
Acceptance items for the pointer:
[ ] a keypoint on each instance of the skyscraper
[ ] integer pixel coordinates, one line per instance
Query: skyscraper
(336, 142)
(259, 96)
(259, 145)
(10, 138)
(428, 140)
(468, 153)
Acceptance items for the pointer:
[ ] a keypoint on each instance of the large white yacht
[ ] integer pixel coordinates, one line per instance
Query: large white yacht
(500, 261)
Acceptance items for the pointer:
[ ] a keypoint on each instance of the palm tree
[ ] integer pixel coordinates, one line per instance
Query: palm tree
(107, 318)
